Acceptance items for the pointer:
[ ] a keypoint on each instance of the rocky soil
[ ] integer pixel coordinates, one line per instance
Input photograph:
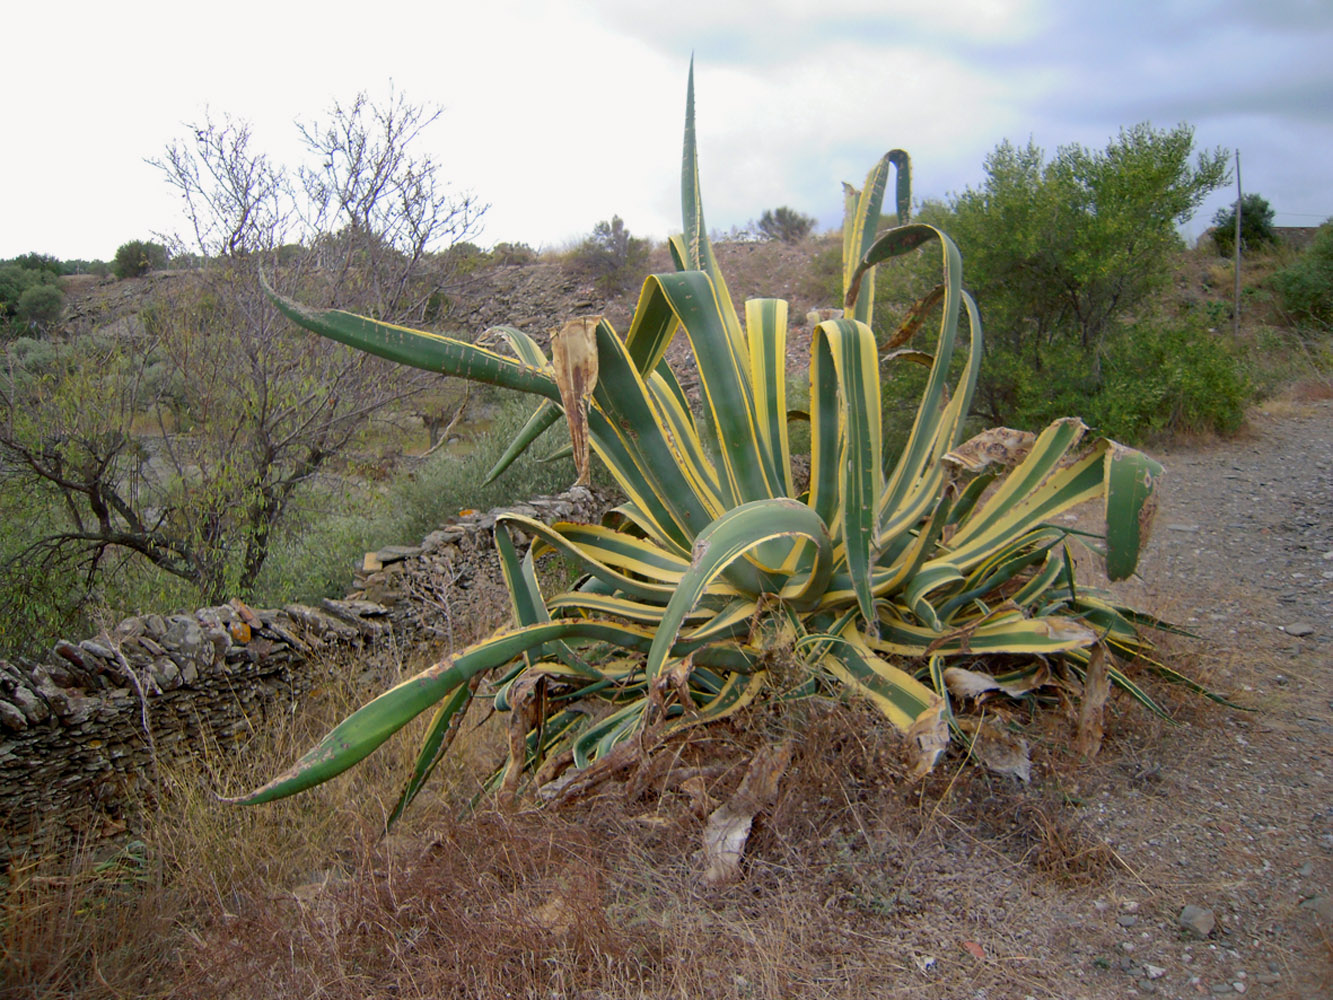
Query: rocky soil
(1223, 827)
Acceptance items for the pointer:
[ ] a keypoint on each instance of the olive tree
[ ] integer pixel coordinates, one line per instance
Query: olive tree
(1062, 252)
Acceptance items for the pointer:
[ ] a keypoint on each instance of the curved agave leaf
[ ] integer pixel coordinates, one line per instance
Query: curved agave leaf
(1130, 478)
(366, 729)
(417, 348)
(724, 376)
(543, 418)
(729, 538)
(900, 696)
(848, 347)
(692, 248)
(861, 211)
(766, 325)
(438, 737)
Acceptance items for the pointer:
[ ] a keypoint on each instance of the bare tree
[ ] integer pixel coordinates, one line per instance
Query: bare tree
(383, 208)
(192, 442)
(235, 200)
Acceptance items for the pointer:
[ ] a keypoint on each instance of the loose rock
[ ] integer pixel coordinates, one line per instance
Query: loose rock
(1197, 920)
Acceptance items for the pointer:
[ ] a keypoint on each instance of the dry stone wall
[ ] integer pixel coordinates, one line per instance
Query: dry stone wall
(81, 729)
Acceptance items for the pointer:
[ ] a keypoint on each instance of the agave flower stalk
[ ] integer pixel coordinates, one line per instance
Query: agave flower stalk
(889, 579)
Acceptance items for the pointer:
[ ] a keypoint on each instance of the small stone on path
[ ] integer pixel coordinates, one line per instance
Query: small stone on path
(1299, 629)
(1197, 919)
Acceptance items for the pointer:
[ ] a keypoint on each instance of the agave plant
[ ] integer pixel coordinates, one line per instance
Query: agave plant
(915, 580)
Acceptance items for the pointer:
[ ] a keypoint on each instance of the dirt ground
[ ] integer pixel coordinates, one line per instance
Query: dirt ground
(1232, 812)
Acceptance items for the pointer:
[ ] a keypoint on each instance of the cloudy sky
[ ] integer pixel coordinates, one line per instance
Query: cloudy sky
(562, 114)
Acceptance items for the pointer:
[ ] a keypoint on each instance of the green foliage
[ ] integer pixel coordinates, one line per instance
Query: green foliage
(901, 578)
(40, 305)
(36, 606)
(22, 275)
(1061, 253)
(511, 254)
(314, 557)
(465, 257)
(98, 267)
(1305, 287)
(1169, 376)
(1256, 226)
(137, 258)
(785, 224)
(611, 257)
(40, 262)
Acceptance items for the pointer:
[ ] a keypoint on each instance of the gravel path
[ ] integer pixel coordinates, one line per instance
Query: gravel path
(1233, 812)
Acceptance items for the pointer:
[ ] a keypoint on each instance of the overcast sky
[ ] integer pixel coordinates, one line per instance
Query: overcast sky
(562, 114)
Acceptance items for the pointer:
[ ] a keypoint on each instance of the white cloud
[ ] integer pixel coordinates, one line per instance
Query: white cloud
(562, 114)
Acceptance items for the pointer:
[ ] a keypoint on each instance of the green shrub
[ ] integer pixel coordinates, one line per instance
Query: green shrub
(15, 279)
(785, 224)
(1169, 376)
(137, 258)
(611, 257)
(1305, 289)
(509, 254)
(40, 305)
(1067, 251)
(39, 262)
(1256, 226)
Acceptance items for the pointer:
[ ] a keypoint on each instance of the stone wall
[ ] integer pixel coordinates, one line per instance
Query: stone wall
(80, 730)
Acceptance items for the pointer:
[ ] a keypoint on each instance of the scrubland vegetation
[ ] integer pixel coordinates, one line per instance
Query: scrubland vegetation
(228, 455)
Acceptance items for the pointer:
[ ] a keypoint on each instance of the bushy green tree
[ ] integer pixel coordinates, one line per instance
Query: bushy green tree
(1256, 225)
(1062, 252)
(785, 224)
(39, 262)
(137, 258)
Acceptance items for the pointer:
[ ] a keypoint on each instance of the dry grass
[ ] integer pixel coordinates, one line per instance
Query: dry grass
(856, 883)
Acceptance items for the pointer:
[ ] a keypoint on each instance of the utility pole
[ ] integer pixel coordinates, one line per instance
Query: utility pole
(1235, 309)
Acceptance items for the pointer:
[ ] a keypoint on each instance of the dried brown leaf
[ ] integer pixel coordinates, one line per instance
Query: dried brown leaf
(574, 357)
(972, 684)
(927, 739)
(999, 447)
(998, 750)
(1096, 688)
(728, 827)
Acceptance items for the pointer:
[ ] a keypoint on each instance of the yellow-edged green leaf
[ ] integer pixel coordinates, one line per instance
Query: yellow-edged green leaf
(850, 348)
(896, 693)
(433, 746)
(728, 539)
(766, 325)
(417, 348)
